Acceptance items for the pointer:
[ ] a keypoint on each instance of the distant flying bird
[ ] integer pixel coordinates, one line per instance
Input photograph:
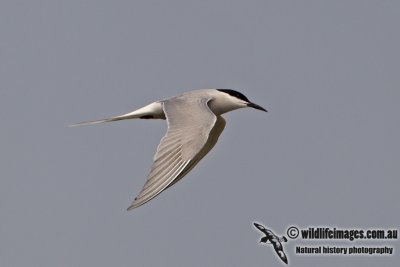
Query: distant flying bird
(274, 240)
(194, 125)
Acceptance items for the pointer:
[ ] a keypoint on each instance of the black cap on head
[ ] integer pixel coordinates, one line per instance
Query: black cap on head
(242, 97)
(235, 94)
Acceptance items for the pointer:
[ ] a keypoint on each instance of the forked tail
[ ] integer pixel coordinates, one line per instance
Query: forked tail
(97, 121)
(151, 111)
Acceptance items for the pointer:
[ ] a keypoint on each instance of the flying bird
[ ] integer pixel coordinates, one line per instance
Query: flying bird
(274, 240)
(194, 125)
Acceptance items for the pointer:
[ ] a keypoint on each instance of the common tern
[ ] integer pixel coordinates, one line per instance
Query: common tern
(194, 125)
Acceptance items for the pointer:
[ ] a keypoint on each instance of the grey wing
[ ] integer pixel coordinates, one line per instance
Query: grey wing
(212, 140)
(190, 123)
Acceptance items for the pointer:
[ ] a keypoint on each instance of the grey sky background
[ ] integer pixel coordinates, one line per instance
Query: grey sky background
(326, 153)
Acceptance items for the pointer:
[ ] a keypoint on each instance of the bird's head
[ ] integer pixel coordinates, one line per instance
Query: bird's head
(229, 99)
(264, 239)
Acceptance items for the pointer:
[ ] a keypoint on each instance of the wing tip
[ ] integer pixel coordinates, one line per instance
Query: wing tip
(135, 204)
(256, 224)
(131, 207)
